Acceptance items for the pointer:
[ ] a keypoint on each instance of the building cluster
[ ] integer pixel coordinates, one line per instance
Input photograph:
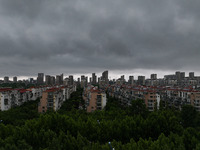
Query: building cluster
(172, 91)
(10, 98)
(53, 97)
(153, 95)
(83, 81)
(15, 97)
(43, 80)
(60, 90)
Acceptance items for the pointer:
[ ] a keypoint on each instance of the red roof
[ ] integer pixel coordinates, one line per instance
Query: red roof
(52, 90)
(5, 89)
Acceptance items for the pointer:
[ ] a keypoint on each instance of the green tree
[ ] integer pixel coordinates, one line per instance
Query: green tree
(188, 116)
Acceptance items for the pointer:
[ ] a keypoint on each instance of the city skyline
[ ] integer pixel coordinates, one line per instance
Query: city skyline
(90, 36)
(111, 76)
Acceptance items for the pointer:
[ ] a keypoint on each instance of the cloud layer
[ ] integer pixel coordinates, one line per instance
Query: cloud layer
(76, 36)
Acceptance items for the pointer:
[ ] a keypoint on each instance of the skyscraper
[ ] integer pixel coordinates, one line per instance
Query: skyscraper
(6, 79)
(82, 78)
(71, 80)
(178, 75)
(40, 78)
(53, 80)
(131, 80)
(153, 76)
(15, 79)
(86, 79)
(141, 80)
(94, 78)
(48, 79)
(59, 79)
(79, 80)
(105, 76)
(191, 75)
(182, 75)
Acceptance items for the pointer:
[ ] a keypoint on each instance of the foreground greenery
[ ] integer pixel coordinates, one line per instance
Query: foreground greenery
(126, 128)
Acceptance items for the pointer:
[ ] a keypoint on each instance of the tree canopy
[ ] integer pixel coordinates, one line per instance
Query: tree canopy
(124, 127)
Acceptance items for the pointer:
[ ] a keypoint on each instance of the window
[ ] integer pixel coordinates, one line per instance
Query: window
(6, 102)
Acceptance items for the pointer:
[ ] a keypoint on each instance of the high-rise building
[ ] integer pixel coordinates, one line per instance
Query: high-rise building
(71, 80)
(122, 77)
(153, 76)
(82, 78)
(40, 78)
(105, 76)
(48, 79)
(59, 79)
(79, 80)
(98, 80)
(141, 80)
(131, 80)
(53, 80)
(66, 81)
(94, 78)
(83, 81)
(15, 79)
(182, 75)
(86, 79)
(6, 79)
(90, 80)
(191, 75)
(61, 76)
(178, 75)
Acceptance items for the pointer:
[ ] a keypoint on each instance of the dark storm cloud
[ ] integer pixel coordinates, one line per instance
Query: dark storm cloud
(76, 36)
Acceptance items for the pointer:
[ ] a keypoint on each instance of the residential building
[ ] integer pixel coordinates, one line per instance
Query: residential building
(71, 80)
(95, 99)
(48, 79)
(40, 78)
(59, 79)
(94, 78)
(52, 99)
(6, 79)
(141, 80)
(15, 79)
(131, 80)
(191, 75)
(153, 76)
(105, 76)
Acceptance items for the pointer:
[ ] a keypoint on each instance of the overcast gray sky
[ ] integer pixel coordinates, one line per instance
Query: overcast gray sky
(85, 36)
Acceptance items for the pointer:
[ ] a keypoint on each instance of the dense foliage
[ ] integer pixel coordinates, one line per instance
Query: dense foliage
(16, 85)
(74, 129)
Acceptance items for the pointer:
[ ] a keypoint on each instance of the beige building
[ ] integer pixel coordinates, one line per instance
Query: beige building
(52, 99)
(195, 100)
(152, 100)
(94, 98)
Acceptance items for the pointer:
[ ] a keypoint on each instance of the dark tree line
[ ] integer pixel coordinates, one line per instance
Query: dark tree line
(125, 127)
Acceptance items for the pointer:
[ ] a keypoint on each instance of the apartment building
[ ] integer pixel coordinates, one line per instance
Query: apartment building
(195, 99)
(52, 99)
(95, 99)
(152, 100)
(5, 101)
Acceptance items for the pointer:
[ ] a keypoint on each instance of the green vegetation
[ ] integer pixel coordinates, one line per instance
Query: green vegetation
(16, 85)
(74, 129)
